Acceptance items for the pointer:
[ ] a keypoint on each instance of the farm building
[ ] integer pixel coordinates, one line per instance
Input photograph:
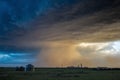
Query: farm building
(29, 67)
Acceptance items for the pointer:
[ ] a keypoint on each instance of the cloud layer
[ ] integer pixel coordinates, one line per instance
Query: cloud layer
(51, 28)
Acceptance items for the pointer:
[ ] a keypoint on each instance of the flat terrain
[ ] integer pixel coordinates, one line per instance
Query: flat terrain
(59, 74)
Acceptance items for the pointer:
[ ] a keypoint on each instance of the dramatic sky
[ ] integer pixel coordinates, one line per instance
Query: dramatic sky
(53, 33)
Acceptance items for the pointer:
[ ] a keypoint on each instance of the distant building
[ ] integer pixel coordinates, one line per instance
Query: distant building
(29, 67)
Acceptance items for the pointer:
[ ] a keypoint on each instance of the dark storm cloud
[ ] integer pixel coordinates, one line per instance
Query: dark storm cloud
(14, 13)
(29, 25)
(14, 49)
(65, 10)
(65, 21)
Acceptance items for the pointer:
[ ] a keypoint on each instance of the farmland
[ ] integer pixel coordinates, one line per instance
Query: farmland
(59, 74)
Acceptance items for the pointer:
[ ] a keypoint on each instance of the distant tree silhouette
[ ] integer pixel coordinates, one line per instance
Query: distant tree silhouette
(21, 68)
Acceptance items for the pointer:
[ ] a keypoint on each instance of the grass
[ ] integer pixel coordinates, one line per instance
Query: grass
(59, 74)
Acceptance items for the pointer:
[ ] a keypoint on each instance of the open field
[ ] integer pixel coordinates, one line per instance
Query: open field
(59, 74)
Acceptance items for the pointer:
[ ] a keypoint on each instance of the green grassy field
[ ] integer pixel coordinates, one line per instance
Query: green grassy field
(59, 74)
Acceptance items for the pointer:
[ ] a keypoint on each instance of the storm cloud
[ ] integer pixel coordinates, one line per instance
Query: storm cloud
(51, 28)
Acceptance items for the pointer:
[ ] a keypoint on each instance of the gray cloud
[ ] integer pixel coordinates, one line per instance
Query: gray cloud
(64, 22)
(103, 23)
